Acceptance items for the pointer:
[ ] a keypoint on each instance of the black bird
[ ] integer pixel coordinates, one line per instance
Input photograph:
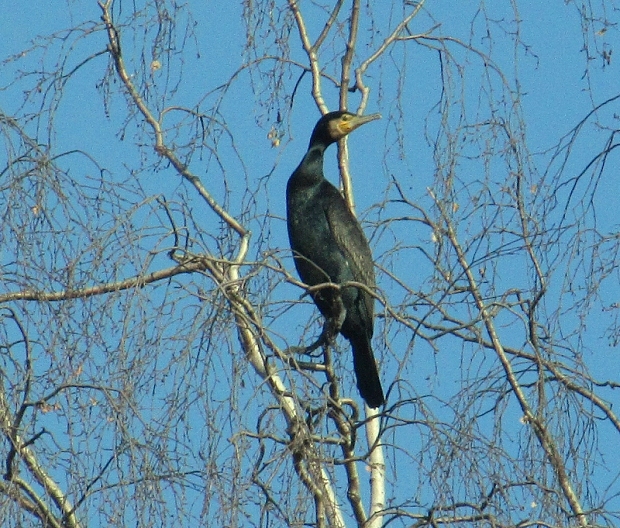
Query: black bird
(329, 246)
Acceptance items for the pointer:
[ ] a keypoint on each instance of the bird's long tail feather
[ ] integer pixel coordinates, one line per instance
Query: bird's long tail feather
(368, 381)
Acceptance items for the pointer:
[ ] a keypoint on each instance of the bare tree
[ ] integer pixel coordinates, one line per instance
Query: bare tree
(154, 366)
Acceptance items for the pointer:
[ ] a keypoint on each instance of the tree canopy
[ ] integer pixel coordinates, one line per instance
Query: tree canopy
(152, 328)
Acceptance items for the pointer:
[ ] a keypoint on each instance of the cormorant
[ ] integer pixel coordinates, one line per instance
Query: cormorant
(329, 246)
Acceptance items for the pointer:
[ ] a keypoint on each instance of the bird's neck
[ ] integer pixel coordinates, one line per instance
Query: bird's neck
(310, 169)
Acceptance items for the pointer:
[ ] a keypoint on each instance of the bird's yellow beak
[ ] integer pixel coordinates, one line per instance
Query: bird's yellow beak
(349, 123)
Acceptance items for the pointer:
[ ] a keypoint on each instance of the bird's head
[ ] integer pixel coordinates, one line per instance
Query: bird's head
(336, 125)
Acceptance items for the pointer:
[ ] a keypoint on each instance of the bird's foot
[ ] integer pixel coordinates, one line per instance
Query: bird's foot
(310, 349)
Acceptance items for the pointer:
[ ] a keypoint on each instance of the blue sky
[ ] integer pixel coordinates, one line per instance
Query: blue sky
(554, 76)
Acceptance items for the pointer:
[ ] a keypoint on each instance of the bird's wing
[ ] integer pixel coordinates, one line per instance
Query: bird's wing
(350, 239)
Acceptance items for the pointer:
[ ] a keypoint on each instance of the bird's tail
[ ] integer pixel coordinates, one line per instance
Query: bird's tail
(368, 381)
